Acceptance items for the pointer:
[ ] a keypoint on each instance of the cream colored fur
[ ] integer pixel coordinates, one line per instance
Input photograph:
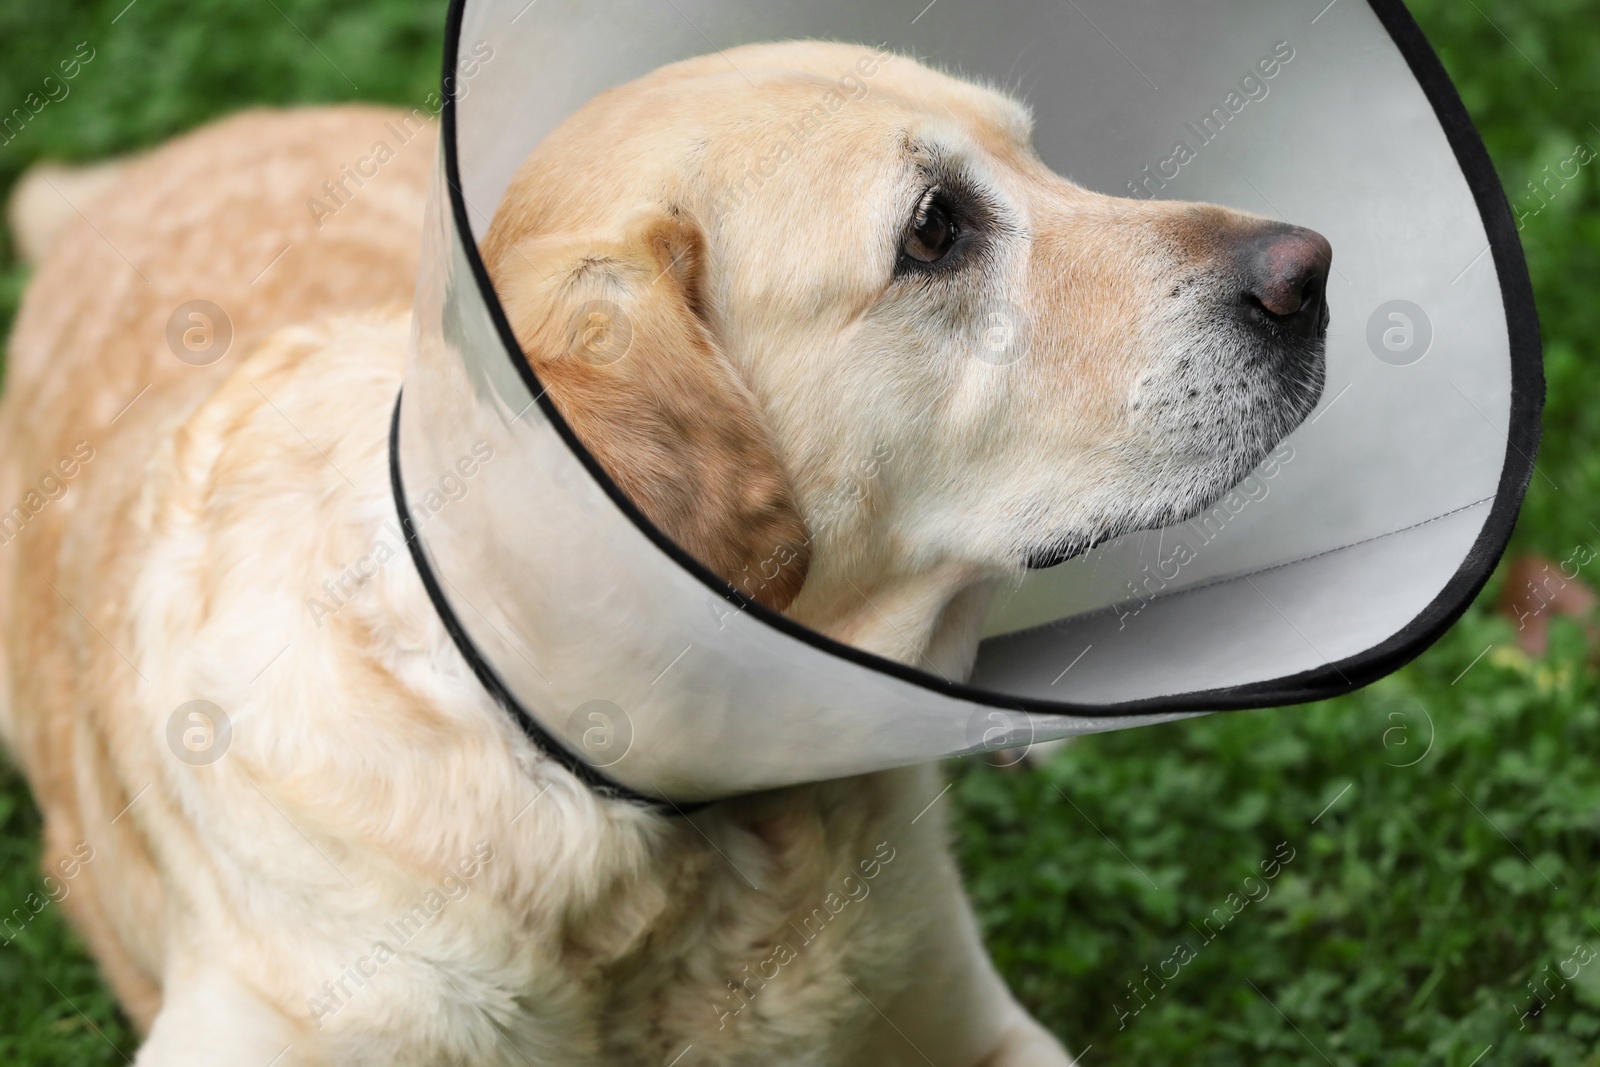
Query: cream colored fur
(238, 908)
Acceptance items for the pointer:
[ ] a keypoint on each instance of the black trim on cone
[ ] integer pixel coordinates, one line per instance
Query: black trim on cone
(585, 772)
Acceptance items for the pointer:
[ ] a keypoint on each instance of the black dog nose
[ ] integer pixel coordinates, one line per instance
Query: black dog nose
(1285, 272)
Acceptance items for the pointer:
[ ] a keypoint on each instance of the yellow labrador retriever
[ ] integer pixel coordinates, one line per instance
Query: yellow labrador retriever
(366, 862)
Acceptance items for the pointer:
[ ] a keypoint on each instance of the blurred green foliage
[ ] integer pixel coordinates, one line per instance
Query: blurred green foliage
(1443, 841)
(1444, 825)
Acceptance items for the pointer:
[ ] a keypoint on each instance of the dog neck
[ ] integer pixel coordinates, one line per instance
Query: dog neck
(931, 620)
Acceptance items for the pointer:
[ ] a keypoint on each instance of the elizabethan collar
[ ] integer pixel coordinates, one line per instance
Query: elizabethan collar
(1347, 553)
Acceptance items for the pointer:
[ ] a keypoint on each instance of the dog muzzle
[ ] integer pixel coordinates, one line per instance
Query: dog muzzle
(1347, 553)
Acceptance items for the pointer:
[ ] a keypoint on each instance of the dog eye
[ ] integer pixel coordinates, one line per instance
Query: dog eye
(933, 229)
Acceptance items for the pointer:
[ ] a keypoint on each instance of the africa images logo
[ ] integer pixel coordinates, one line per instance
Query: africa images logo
(1252, 87)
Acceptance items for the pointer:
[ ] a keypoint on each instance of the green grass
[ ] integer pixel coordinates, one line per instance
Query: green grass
(1413, 911)
(1404, 926)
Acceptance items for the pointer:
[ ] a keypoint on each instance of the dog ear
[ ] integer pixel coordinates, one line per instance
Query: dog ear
(614, 328)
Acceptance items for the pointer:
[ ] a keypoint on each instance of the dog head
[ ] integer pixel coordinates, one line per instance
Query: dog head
(830, 322)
